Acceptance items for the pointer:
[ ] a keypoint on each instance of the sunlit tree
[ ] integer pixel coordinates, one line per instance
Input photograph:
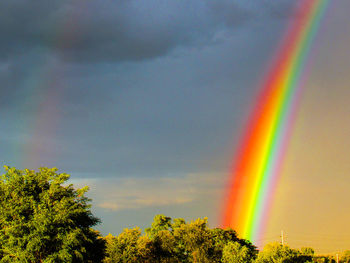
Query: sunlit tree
(345, 257)
(172, 241)
(43, 220)
(307, 251)
(124, 247)
(234, 252)
(277, 253)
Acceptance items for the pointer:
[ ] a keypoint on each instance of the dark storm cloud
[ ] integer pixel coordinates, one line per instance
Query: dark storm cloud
(148, 117)
(96, 31)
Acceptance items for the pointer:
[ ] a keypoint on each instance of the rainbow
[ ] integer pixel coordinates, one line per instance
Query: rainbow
(46, 90)
(256, 168)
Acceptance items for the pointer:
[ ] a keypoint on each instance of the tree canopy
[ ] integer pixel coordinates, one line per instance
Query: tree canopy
(176, 240)
(43, 220)
(278, 253)
(345, 257)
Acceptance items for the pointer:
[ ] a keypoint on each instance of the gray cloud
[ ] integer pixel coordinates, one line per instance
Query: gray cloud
(279, 9)
(137, 118)
(95, 31)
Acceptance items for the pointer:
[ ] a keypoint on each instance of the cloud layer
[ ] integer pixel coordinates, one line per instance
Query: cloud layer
(95, 31)
(117, 194)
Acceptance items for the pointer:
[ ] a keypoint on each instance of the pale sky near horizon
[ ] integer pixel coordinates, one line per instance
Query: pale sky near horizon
(145, 104)
(312, 199)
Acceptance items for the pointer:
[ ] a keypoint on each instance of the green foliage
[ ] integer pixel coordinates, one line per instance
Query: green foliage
(194, 240)
(307, 251)
(323, 259)
(160, 223)
(123, 248)
(345, 257)
(168, 241)
(41, 220)
(221, 237)
(277, 253)
(234, 252)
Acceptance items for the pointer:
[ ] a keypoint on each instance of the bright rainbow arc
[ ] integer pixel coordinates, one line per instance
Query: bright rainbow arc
(260, 156)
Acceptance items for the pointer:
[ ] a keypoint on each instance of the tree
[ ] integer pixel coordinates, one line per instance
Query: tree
(166, 248)
(345, 257)
(194, 241)
(43, 220)
(323, 259)
(123, 248)
(131, 246)
(178, 241)
(173, 241)
(160, 223)
(277, 253)
(222, 237)
(234, 252)
(307, 251)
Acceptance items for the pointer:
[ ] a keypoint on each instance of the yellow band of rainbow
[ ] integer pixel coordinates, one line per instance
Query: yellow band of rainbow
(259, 158)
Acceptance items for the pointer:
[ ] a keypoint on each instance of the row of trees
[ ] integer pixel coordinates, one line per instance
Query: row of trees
(177, 241)
(169, 241)
(44, 219)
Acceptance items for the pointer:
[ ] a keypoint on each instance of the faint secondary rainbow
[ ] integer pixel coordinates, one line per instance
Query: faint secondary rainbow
(260, 155)
(45, 82)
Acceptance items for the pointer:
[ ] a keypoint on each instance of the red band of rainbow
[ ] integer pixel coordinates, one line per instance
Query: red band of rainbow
(259, 158)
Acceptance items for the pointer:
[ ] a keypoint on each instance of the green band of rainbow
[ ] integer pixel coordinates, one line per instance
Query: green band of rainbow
(260, 157)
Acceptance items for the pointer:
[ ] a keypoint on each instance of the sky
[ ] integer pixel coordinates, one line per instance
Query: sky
(145, 102)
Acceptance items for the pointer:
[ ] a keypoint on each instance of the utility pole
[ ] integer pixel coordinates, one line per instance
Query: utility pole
(282, 238)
